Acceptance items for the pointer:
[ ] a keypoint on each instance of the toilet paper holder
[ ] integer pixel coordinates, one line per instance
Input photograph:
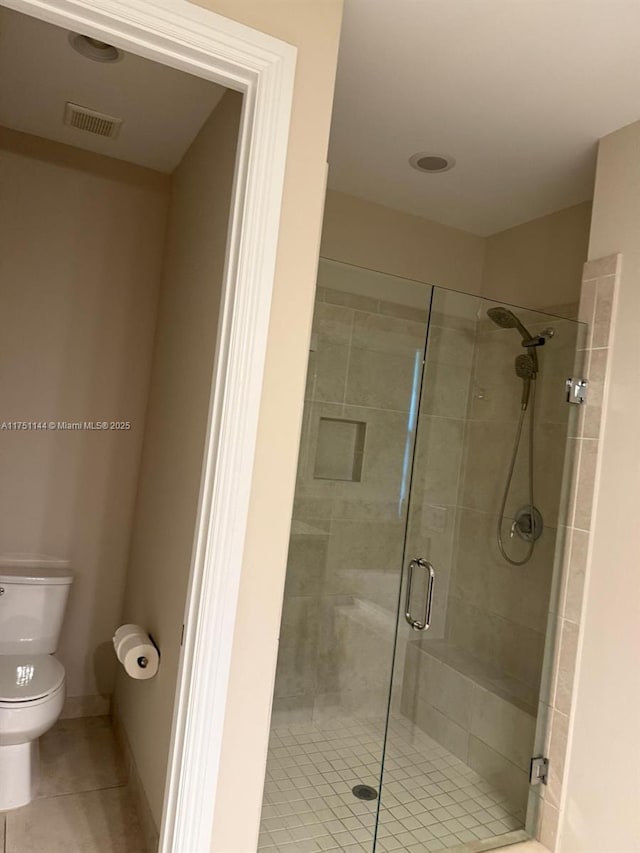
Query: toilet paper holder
(143, 661)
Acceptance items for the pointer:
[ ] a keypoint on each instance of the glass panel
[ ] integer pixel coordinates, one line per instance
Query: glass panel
(464, 701)
(345, 556)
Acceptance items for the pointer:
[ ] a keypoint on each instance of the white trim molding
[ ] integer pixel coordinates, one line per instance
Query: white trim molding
(193, 39)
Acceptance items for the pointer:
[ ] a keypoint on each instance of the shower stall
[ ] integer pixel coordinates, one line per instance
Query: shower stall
(423, 566)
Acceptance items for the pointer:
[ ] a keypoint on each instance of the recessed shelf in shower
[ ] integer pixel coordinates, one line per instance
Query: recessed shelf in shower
(340, 450)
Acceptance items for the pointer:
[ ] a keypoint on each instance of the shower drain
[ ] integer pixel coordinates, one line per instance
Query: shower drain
(364, 792)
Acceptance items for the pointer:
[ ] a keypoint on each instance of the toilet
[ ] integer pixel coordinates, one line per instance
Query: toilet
(33, 596)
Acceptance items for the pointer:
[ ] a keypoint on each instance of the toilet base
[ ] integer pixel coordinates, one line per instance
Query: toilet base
(19, 766)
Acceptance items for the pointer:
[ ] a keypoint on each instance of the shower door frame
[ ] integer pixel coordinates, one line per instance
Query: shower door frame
(200, 42)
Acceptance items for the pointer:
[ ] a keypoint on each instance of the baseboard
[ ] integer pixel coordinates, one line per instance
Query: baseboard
(149, 829)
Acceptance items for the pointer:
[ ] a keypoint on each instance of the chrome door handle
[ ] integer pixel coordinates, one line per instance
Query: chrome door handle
(417, 624)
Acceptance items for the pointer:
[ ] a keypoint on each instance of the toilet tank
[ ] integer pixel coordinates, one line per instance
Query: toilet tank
(33, 596)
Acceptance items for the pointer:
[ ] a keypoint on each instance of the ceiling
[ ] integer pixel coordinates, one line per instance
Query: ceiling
(163, 109)
(518, 92)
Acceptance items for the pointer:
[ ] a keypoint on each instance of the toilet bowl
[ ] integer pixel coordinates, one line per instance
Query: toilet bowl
(32, 691)
(33, 596)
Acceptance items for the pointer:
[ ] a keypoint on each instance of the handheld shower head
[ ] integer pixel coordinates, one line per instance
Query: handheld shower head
(525, 366)
(526, 369)
(507, 320)
(502, 317)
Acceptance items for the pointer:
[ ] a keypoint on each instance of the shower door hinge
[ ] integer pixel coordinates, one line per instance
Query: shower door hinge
(577, 391)
(539, 773)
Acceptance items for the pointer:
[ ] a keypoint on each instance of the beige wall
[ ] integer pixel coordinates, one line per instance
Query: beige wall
(166, 505)
(534, 265)
(600, 811)
(313, 28)
(81, 243)
(370, 235)
(539, 264)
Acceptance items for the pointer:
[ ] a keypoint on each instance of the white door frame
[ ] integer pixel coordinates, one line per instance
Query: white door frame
(193, 39)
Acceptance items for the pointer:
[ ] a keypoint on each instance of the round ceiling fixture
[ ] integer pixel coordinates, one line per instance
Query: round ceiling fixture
(432, 163)
(98, 51)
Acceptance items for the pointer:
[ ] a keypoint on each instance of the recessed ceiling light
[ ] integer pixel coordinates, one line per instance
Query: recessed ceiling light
(432, 163)
(98, 51)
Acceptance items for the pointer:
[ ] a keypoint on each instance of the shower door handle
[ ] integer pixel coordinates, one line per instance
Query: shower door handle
(417, 624)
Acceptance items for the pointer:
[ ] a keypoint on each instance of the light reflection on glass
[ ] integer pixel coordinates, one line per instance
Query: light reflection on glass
(24, 674)
(411, 426)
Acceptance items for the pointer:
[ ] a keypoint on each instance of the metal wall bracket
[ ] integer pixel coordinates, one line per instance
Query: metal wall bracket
(577, 391)
(539, 773)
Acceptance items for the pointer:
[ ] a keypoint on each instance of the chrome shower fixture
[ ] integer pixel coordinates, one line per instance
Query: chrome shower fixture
(507, 320)
(540, 339)
(528, 523)
(527, 365)
(526, 369)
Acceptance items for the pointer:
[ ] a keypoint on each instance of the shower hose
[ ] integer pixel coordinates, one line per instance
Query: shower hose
(514, 456)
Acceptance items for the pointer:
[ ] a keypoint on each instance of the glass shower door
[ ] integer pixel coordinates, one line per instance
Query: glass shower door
(464, 695)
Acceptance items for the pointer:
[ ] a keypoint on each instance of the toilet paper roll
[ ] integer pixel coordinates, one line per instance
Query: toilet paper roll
(136, 652)
(125, 633)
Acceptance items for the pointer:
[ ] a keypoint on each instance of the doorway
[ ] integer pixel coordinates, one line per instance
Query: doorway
(209, 46)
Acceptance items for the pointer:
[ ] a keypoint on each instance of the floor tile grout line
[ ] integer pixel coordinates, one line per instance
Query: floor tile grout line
(92, 752)
(79, 793)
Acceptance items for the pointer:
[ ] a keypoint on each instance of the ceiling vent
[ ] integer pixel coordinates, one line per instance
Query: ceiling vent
(92, 121)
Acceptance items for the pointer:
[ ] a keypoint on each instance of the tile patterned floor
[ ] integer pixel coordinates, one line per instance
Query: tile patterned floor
(83, 804)
(431, 801)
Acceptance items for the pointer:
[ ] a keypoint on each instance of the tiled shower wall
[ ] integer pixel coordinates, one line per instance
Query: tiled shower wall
(498, 612)
(347, 534)
(556, 698)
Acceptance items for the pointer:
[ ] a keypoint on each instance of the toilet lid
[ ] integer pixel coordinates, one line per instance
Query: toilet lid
(25, 678)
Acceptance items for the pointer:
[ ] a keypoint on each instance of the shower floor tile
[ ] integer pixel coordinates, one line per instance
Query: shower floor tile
(431, 800)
